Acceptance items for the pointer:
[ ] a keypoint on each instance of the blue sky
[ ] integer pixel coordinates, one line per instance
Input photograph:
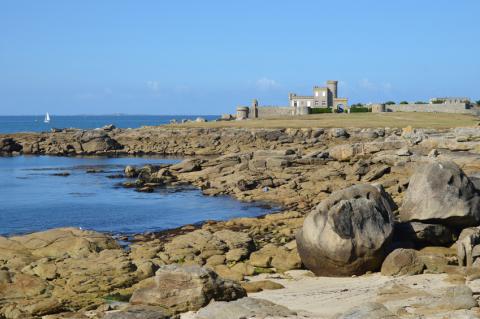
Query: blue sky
(207, 57)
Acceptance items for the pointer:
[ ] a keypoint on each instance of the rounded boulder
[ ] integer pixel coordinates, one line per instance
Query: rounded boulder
(347, 234)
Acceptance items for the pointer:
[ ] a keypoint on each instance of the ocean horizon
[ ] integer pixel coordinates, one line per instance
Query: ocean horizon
(35, 123)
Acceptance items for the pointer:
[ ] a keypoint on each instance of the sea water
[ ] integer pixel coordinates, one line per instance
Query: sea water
(33, 197)
(35, 123)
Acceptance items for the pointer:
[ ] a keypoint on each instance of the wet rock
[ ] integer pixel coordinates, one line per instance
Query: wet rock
(347, 234)
(402, 262)
(441, 193)
(130, 172)
(185, 288)
(9, 145)
(61, 174)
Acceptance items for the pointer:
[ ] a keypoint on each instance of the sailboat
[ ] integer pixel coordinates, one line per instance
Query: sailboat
(47, 118)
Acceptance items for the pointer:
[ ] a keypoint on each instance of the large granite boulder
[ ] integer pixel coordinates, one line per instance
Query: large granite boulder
(185, 288)
(441, 193)
(347, 234)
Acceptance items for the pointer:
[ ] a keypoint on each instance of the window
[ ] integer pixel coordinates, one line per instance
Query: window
(316, 103)
(309, 103)
(316, 93)
(324, 93)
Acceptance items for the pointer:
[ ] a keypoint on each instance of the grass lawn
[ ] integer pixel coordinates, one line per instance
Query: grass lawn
(361, 120)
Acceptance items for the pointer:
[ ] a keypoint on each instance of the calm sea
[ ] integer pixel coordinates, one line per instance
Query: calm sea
(12, 124)
(34, 199)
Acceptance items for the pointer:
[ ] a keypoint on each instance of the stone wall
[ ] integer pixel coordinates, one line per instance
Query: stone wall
(443, 108)
(274, 111)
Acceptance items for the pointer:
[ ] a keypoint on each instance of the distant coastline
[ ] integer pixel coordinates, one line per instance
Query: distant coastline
(35, 123)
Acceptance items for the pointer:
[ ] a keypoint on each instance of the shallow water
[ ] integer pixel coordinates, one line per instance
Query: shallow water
(33, 199)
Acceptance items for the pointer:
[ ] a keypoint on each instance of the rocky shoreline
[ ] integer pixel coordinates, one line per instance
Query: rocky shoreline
(70, 273)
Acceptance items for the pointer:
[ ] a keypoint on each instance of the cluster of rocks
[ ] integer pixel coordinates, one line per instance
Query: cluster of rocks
(352, 231)
(366, 200)
(215, 141)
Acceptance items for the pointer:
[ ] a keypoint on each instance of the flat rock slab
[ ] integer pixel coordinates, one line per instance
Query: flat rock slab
(327, 297)
(243, 308)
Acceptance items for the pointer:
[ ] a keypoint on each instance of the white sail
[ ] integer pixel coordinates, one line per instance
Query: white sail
(47, 118)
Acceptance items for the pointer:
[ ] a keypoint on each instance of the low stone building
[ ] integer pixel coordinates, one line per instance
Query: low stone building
(436, 105)
(323, 97)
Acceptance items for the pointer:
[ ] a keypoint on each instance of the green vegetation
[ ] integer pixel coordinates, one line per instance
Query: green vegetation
(437, 101)
(321, 110)
(421, 102)
(359, 109)
(404, 102)
(478, 102)
(390, 103)
(357, 105)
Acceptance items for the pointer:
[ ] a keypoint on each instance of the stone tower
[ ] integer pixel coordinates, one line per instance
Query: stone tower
(332, 91)
(255, 108)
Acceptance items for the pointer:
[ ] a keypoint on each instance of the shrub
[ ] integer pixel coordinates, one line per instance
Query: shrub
(359, 109)
(357, 105)
(404, 102)
(478, 102)
(421, 102)
(319, 110)
(390, 103)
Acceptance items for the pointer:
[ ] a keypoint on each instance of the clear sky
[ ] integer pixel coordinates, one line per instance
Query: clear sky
(207, 57)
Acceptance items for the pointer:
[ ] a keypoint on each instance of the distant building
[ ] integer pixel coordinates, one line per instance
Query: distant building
(449, 100)
(436, 105)
(323, 97)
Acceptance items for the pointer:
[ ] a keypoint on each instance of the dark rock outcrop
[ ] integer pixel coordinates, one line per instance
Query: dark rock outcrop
(9, 145)
(422, 235)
